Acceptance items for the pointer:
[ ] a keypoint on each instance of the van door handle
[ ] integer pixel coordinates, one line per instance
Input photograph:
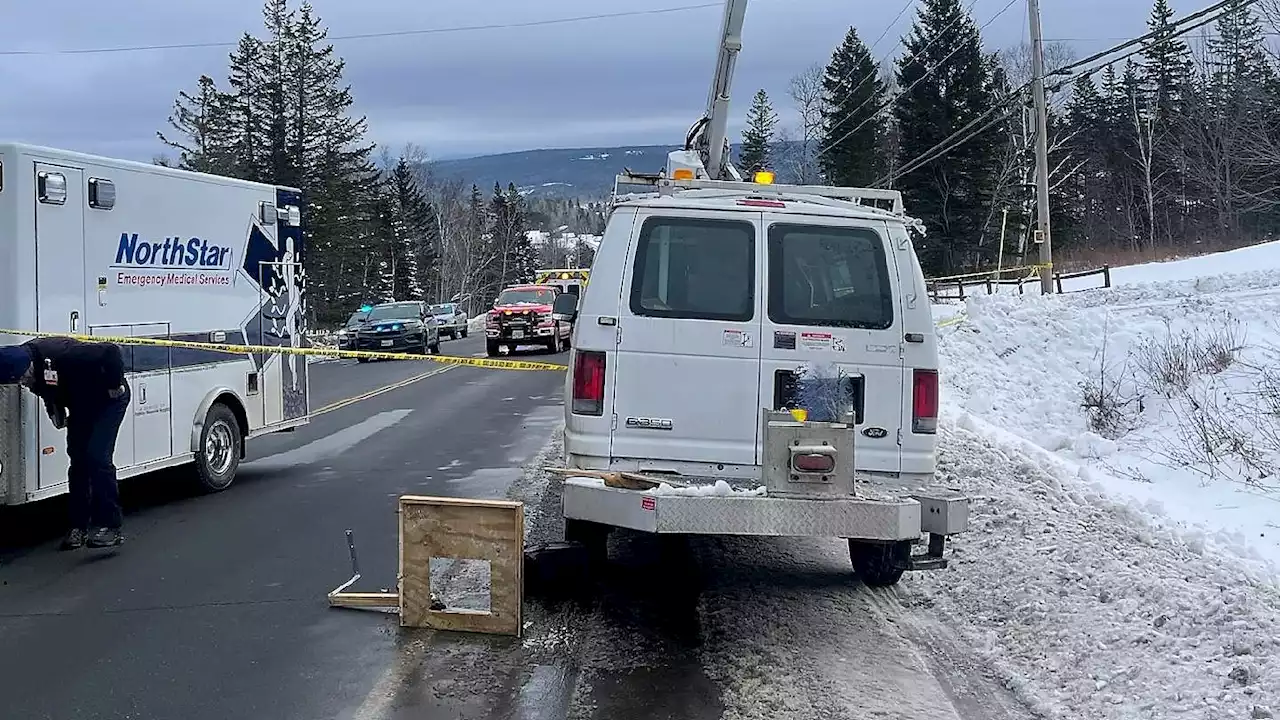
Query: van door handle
(75, 321)
(142, 394)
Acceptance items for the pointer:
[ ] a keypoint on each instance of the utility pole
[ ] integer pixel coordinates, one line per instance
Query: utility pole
(1042, 149)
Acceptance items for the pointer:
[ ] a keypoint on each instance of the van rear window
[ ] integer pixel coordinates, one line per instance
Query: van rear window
(835, 276)
(695, 269)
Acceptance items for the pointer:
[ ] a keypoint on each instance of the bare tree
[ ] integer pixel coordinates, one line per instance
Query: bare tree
(805, 91)
(1016, 62)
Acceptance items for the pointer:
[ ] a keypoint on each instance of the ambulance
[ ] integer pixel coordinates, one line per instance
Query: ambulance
(91, 246)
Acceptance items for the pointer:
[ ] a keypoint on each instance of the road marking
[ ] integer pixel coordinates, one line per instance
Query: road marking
(333, 443)
(384, 389)
(378, 703)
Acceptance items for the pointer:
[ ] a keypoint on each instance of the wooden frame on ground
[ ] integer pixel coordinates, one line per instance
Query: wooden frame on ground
(462, 529)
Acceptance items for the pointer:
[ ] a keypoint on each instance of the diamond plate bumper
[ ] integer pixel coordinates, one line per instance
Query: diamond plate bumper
(741, 514)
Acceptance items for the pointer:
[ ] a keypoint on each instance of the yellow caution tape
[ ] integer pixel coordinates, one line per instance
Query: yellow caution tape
(286, 350)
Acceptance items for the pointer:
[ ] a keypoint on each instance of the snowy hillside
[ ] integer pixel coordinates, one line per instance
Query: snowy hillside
(1123, 449)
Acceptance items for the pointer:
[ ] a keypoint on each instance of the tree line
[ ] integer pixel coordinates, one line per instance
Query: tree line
(378, 226)
(1171, 150)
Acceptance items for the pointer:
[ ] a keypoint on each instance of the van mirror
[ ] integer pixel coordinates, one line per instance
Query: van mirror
(565, 307)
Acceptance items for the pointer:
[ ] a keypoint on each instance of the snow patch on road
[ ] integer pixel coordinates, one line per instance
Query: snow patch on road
(1086, 606)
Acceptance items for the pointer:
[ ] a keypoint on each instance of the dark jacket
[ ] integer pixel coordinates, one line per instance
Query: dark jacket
(82, 372)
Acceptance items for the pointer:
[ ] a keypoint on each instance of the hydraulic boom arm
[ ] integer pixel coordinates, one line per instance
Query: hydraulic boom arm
(708, 136)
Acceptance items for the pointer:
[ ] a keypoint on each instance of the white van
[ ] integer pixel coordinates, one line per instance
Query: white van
(104, 247)
(710, 304)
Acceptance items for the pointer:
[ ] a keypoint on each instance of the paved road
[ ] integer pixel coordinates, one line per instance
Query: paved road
(215, 607)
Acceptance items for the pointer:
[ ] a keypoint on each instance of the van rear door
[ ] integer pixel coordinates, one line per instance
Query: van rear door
(687, 365)
(833, 312)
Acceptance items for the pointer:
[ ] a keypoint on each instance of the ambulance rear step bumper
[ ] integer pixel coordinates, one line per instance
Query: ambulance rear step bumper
(885, 519)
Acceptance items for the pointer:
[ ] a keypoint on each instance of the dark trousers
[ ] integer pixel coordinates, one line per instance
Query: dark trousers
(91, 447)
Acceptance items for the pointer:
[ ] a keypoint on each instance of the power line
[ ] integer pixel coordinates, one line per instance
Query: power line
(375, 35)
(951, 143)
(876, 112)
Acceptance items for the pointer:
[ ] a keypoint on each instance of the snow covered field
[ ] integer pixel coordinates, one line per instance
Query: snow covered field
(1122, 447)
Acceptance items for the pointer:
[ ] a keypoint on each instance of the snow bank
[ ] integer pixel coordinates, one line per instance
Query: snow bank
(1086, 607)
(1197, 450)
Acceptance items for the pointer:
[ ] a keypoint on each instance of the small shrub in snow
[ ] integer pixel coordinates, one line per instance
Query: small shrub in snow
(1108, 399)
(1172, 363)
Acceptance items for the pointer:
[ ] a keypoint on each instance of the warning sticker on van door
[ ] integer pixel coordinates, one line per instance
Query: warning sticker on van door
(818, 341)
(738, 338)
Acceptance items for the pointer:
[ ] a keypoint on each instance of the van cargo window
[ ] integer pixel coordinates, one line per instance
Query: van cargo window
(835, 276)
(695, 269)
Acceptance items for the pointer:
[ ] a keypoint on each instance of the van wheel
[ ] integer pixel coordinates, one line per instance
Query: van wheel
(554, 345)
(435, 347)
(593, 537)
(879, 564)
(220, 446)
(464, 332)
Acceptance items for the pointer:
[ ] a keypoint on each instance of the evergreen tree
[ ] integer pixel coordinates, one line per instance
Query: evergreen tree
(946, 83)
(759, 136)
(853, 130)
(205, 134)
(1167, 65)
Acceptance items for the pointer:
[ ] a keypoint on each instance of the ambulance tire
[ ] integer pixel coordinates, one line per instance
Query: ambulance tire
(879, 564)
(214, 471)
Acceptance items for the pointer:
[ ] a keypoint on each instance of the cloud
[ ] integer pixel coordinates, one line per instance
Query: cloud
(641, 79)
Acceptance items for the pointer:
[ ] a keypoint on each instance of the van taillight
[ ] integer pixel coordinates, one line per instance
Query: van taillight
(588, 383)
(924, 401)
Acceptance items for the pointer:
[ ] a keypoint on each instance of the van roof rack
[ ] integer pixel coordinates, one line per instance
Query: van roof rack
(867, 198)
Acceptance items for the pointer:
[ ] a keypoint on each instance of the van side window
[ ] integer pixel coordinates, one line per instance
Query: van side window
(695, 269)
(836, 276)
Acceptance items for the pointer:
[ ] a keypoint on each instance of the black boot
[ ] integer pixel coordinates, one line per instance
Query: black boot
(105, 537)
(74, 540)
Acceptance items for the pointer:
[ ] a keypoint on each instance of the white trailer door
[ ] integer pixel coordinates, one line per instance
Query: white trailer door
(152, 406)
(60, 299)
(687, 366)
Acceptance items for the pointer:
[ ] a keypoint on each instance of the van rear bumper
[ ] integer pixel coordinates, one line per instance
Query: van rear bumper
(861, 518)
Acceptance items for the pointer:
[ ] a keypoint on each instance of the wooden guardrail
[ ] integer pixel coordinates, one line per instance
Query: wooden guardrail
(954, 287)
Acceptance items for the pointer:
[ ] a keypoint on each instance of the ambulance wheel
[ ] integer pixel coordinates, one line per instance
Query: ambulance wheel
(879, 564)
(220, 444)
(492, 349)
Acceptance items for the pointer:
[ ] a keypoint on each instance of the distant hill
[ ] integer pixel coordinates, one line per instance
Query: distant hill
(562, 172)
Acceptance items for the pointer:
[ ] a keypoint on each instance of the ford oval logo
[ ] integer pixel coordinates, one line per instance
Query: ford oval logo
(875, 432)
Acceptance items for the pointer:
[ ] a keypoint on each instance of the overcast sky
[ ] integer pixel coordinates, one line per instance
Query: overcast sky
(632, 80)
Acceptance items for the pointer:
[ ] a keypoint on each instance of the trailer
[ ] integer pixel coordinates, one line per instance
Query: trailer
(92, 246)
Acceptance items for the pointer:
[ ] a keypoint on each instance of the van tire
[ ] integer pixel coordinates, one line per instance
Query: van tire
(592, 536)
(879, 564)
(554, 346)
(464, 332)
(434, 347)
(221, 434)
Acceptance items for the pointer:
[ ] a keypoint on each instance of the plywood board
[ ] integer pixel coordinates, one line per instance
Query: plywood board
(463, 529)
